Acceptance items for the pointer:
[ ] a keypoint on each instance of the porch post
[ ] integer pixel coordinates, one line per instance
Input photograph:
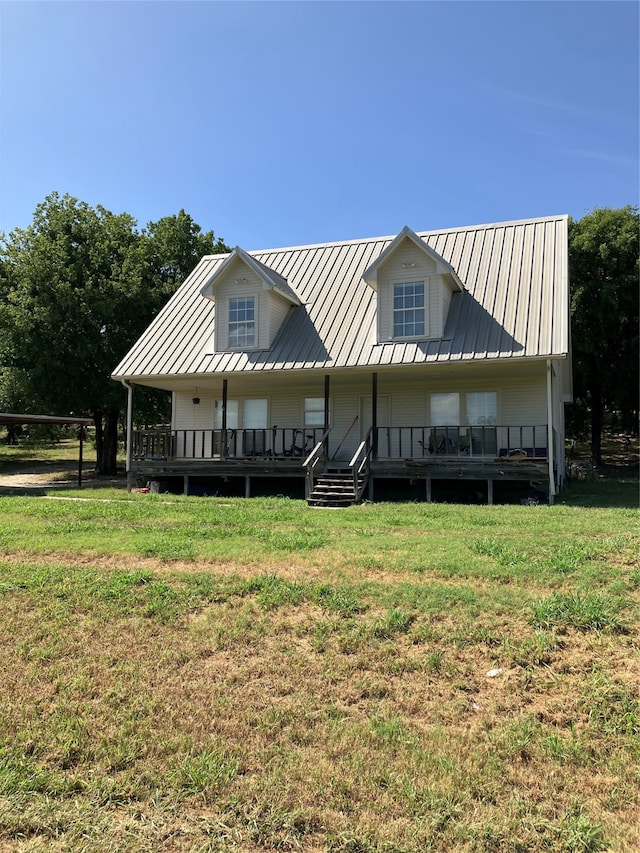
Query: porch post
(552, 482)
(129, 429)
(223, 437)
(374, 415)
(81, 437)
(327, 382)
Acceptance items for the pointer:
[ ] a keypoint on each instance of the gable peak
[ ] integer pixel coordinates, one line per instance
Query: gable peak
(443, 267)
(271, 279)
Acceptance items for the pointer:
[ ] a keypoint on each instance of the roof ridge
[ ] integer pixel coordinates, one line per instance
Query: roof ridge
(433, 231)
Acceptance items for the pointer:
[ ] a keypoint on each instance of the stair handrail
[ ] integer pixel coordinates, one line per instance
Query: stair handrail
(313, 459)
(344, 437)
(365, 449)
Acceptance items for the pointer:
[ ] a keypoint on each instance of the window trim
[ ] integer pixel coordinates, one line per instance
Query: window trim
(397, 282)
(246, 346)
(308, 424)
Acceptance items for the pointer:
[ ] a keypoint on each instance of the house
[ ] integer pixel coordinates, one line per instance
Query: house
(431, 365)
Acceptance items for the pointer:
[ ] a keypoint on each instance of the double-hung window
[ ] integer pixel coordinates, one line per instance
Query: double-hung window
(314, 411)
(242, 322)
(409, 309)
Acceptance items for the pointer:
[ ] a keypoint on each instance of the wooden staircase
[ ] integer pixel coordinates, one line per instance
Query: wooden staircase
(335, 488)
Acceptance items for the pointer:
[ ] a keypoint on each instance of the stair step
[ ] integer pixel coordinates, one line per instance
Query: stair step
(334, 488)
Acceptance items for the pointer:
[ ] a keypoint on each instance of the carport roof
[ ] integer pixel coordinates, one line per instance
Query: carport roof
(8, 419)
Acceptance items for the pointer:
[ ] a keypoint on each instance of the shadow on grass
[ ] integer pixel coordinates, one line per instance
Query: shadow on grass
(623, 493)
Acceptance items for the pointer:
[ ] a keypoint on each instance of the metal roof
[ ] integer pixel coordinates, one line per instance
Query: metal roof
(515, 305)
(9, 419)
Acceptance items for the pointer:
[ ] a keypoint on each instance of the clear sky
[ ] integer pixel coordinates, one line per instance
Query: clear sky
(288, 123)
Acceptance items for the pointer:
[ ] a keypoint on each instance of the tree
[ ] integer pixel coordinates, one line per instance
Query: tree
(77, 288)
(603, 268)
(174, 246)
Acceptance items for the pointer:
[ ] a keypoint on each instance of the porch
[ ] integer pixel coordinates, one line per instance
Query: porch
(301, 456)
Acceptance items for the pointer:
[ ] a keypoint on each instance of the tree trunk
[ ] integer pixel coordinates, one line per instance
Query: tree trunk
(97, 420)
(106, 442)
(109, 465)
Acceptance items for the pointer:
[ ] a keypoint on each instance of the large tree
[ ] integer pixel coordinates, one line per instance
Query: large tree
(603, 267)
(77, 287)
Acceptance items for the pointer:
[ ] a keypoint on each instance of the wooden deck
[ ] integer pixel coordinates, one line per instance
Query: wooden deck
(206, 462)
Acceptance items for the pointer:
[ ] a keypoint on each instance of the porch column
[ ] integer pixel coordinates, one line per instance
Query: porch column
(223, 437)
(129, 429)
(81, 437)
(327, 383)
(374, 415)
(550, 455)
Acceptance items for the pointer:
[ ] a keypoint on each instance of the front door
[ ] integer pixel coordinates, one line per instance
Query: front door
(384, 414)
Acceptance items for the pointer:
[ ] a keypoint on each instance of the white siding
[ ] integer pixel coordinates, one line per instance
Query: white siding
(520, 402)
(277, 309)
(190, 416)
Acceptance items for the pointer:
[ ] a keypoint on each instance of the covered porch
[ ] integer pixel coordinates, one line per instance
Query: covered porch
(298, 429)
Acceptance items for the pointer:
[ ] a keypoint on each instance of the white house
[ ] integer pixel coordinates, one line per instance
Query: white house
(429, 365)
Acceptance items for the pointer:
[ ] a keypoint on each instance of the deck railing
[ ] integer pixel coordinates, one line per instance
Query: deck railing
(434, 442)
(268, 443)
(317, 457)
(360, 464)
(391, 443)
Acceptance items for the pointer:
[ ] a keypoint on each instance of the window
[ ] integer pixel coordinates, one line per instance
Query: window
(482, 407)
(242, 322)
(408, 309)
(476, 435)
(232, 414)
(445, 409)
(314, 411)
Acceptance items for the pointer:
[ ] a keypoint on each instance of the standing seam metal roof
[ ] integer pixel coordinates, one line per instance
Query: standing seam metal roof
(515, 305)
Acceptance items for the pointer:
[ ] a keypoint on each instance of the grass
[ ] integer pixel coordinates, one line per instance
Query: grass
(189, 674)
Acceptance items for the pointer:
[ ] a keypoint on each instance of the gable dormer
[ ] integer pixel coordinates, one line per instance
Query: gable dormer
(414, 285)
(252, 302)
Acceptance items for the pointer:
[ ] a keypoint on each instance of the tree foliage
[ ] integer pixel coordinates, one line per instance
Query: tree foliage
(603, 266)
(77, 288)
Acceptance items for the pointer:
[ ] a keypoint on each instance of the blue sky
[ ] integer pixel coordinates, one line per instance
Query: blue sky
(287, 123)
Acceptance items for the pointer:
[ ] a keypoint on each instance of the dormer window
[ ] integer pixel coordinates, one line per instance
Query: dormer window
(414, 285)
(252, 302)
(409, 309)
(242, 322)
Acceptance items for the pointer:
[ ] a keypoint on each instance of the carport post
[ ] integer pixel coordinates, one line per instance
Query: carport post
(81, 436)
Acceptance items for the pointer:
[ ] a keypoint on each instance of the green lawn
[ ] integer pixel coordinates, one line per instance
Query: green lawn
(187, 674)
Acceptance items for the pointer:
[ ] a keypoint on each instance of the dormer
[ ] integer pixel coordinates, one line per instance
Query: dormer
(414, 285)
(252, 302)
